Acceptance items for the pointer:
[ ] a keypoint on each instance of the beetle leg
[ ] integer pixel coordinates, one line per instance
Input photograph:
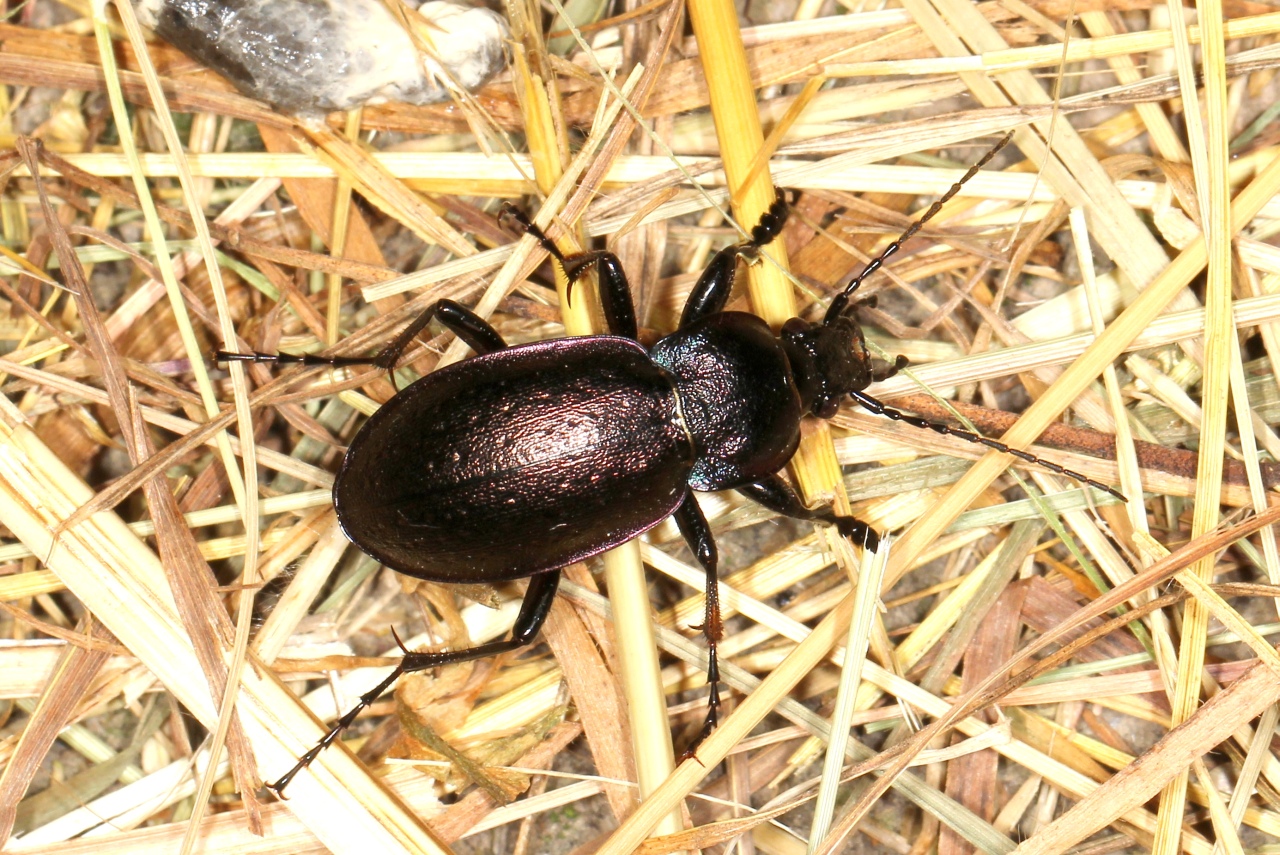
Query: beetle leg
(615, 292)
(697, 533)
(776, 495)
(463, 322)
(711, 293)
(533, 614)
(309, 359)
(455, 317)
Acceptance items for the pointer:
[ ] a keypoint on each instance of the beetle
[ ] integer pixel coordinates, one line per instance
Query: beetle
(538, 441)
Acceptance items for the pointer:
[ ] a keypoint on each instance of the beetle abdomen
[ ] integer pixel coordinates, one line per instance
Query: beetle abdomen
(517, 462)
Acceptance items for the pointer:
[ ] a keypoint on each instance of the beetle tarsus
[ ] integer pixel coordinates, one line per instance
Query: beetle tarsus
(709, 723)
(771, 222)
(711, 292)
(533, 614)
(458, 319)
(332, 734)
(615, 292)
(310, 360)
(856, 531)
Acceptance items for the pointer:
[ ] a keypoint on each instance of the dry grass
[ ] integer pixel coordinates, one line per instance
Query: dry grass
(1043, 665)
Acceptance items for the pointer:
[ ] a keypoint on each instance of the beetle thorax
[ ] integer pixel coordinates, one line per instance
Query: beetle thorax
(737, 398)
(823, 363)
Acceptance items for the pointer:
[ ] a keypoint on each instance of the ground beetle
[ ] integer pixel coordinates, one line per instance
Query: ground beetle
(572, 446)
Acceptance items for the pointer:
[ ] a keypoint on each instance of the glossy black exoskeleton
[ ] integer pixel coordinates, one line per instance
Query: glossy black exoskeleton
(522, 460)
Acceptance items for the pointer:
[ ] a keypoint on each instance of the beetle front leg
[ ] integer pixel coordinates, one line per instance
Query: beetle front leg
(776, 495)
(697, 533)
(533, 614)
(711, 293)
(615, 292)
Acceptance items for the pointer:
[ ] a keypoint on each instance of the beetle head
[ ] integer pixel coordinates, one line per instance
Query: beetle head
(823, 362)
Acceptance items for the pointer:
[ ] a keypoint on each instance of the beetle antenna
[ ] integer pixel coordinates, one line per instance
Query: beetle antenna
(841, 301)
(882, 409)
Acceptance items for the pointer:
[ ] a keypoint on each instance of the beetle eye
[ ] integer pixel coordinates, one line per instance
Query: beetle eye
(827, 408)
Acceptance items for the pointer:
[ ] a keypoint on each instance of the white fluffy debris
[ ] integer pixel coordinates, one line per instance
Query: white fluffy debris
(311, 56)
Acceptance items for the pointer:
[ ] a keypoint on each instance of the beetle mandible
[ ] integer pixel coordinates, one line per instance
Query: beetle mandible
(537, 441)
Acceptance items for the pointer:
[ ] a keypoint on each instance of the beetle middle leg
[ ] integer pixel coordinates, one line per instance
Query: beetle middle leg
(457, 318)
(615, 291)
(697, 533)
(776, 495)
(533, 614)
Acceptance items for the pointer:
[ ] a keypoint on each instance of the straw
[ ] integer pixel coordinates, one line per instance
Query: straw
(1047, 304)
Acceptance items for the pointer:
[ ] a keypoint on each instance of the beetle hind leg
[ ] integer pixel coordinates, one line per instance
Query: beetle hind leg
(479, 335)
(533, 614)
(697, 534)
